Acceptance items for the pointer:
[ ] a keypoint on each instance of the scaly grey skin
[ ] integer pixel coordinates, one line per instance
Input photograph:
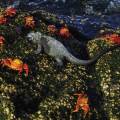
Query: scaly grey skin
(56, 49)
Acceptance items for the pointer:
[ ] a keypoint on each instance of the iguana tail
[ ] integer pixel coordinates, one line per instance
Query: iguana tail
(75, 60)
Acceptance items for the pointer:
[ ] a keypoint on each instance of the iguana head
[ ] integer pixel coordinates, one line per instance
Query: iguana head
(34, 36)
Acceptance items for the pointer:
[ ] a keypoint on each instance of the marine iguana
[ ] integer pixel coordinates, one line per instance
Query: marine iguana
(56, 49)
(77, 38)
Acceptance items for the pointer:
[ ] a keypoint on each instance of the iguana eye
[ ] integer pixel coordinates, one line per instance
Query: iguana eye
(30, 37)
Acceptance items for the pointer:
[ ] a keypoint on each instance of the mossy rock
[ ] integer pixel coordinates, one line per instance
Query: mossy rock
(45, 94)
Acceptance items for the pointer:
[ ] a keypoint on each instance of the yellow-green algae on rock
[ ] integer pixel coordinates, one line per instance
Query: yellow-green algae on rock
(45, 94)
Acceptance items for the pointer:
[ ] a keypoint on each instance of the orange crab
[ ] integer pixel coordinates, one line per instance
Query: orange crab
(10, 11)
(2, 20)
(82, 102)
(29, 21)
(113, 38)
(15, 64)
(64, 32)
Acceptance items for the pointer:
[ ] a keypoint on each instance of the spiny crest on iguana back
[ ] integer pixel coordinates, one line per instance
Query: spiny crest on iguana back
(56, 49)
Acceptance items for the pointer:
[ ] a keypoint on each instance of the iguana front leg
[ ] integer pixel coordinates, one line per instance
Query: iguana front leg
(38, 49)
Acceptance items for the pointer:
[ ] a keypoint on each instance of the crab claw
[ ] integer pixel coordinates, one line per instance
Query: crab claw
(77, 94)
(76, 108)
(26, 68)
(20, 71)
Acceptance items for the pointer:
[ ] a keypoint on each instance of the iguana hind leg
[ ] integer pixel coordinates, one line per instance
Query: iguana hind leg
(59, 61)
(59, 64)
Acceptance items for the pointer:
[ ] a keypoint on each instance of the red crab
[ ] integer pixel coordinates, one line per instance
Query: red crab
(10, 11)
(82, 103)
(114, 38)
(52, 28)
(15, 64)
(64, 32)
(2, 20)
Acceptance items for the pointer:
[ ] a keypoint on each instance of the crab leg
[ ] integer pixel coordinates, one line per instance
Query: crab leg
(26, 68)
(20, 71)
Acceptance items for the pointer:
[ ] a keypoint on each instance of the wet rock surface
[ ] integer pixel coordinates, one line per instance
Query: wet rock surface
(73, 7)
(89, 17)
